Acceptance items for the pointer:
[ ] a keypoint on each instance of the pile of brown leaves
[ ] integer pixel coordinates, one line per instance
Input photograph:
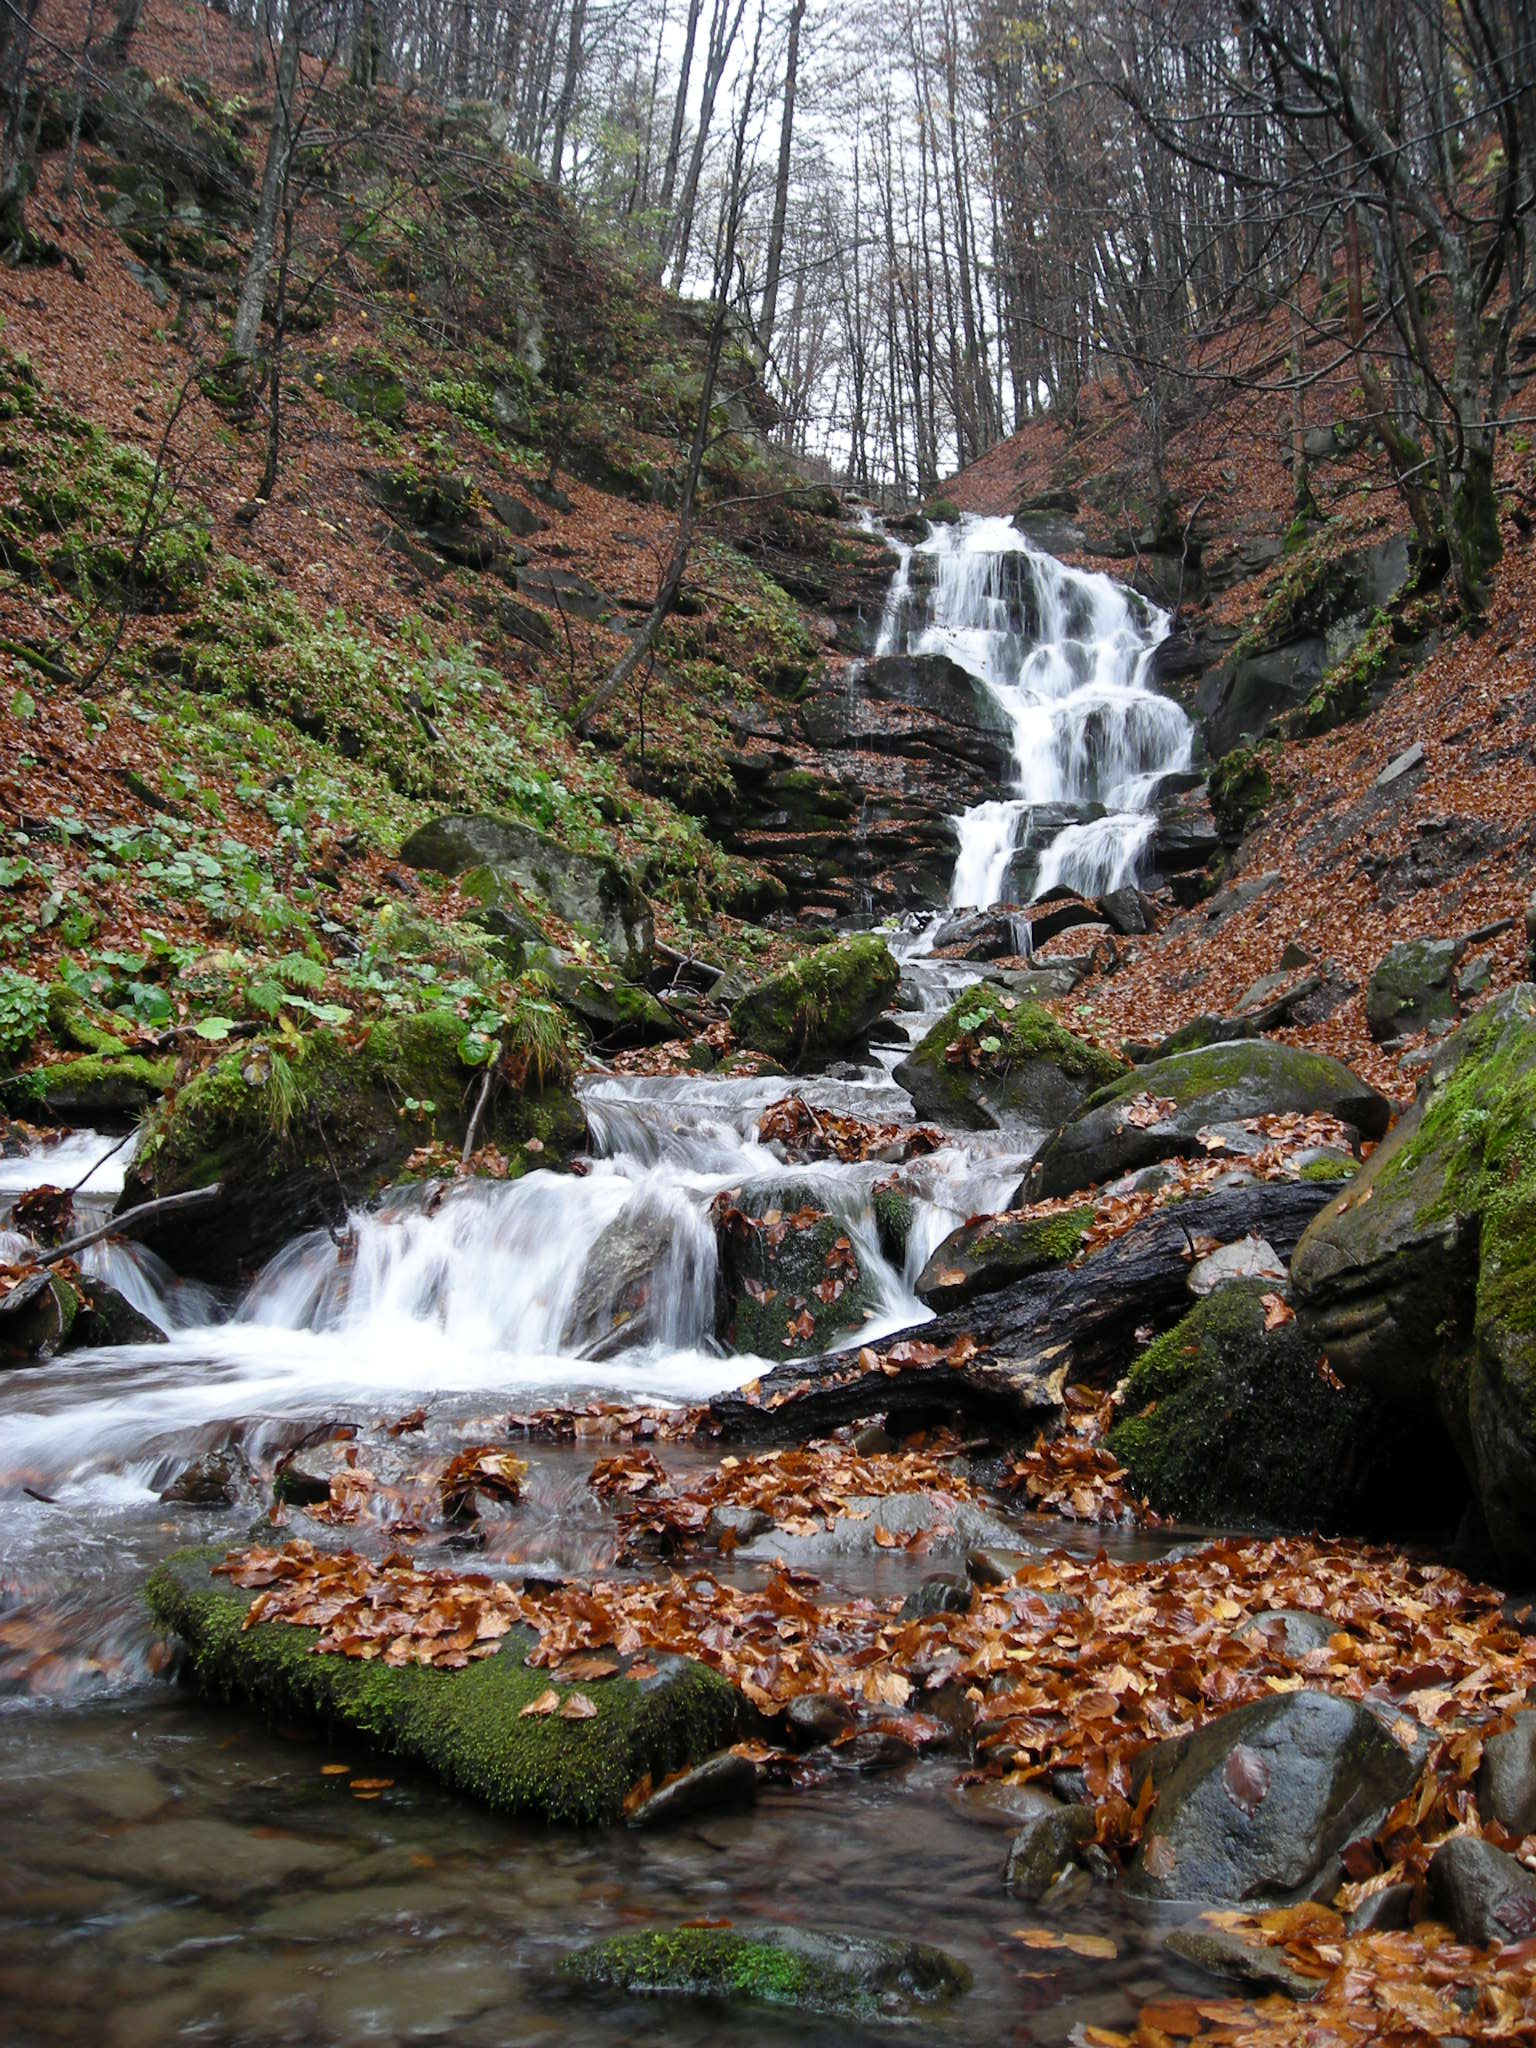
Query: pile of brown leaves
(1372, 1987)
(389, 1611)
(804, 1133)
(481, 1469)
(1073, 1476)
(609, 1422)
(911, 1354)
(799, 1490)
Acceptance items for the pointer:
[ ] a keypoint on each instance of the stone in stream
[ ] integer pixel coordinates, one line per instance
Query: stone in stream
(1241, 1960)
(819, 1004)
(1483, 1892)
(791, 1282)
(296, 1133)
(1046, 1845)
(1257, 1805)
(995, 1251)
(638, 1262)
(1411, 988)
(1227, 1417)
(592, 891)
(1506, 1778)
(718, 1785)
(992, 1059)
(1419, 1282)
(846, 1976)
(218, 1479)
(465, 1728)
(1108, 1136)
(48, 1313)
(952, 1527)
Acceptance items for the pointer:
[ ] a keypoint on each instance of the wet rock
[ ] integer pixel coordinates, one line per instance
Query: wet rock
(941, 1593)
(995, 1251)
(614, 1010)
(1012, 1064)
(48, 1314)
(720, 1784)
(1411, 988)
(1384, 1911)
(642, 1262)
(984, 934)
(1484, 1893)
(870, 1751)
(295, 1134)
(293, 1487)
(1240, 1960)
(1124, 911)
(840, 1975)
(1506, 1778)
(466, 1728)
(218, 1479)
(1418, 1281)
(589, 890)
(1257, 1805)
(954, 1526)
(1217, 1084)
(1294, 1630)
(790, 1274)
(731, 1526)
(1229, 1419)
(814, 1718)
(818, 1004)
(989, 1568)
(1043, 1848)
(1251, 1258)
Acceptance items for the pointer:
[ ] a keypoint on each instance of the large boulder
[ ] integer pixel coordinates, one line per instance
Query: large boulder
(1123, 1126)
(467, 1728)
(614, 1010)
(592, 891)
(1228, 1418)
(1411, 989)
(844, 1976)
(1419, 1282)
(655, 1254)
(1257, 1805)
(819, 1004)
(792, 1279)
(993, 1060)
(294, 1135)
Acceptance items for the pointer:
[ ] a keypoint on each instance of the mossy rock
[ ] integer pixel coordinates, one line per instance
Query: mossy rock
(1239, 788)
(1215, 1084)
(1419, 1281)
(368, 386)
(818, 1005)
(995, 1251)
(48, 1313)
(1228, 1420)
(1019, 1065)
(74, 1023)
(843, 1976)
(98, 1088)
(614, 1010)
(769, 1276)
(464, 1728)
(1411, 989)
(294, 1137)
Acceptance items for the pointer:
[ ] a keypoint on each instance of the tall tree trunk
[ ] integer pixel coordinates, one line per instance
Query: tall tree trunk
(280, 138)
(781, 186)
(568, 86)
(15, 171)
(675, 141)
(723, 26)
(123, 31)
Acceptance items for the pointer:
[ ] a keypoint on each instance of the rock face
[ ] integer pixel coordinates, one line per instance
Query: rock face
(1214, 1084)
(1485, 1894)
(465, 1728)
(295, 1137)
(1228, 1420)
(843, 1975)
(818, 1005)
(791, 1279)
(1420, 1282)
(588, 890)
(1411, 990)
(1257, 1805)
(993, 1059)
(995, 1251)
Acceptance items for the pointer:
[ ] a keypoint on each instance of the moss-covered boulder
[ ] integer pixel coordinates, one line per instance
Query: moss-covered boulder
(792, 1278)
(465, 1728)
(1230, 1419)
(994, 1251)
(614, 1010)
(818, 1005)
(96, 1088)
(1419, 1281)
(592, 891)
(1411, 989)
(52, 1312)
(994, 1059)
(845, 1976)
(1129, 1125)
(296, 1135)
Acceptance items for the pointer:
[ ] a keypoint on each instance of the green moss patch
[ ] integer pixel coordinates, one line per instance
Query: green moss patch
(464, 1728)
(996, 1251)
(993, 1055)
(819, 1004)
(847, 1976)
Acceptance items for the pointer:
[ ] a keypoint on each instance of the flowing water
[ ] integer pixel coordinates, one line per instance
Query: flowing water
(175, 1873)
(1066, 656)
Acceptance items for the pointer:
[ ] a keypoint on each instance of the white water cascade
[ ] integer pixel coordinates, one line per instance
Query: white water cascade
(1066, 656)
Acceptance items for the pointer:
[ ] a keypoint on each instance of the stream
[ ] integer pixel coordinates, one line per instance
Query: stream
(174, 1872)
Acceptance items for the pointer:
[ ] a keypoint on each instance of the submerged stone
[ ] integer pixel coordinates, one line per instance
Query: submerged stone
(841, 1975)
(465, 1728)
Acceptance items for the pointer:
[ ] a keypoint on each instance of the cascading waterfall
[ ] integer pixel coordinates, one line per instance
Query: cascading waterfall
(1065, 654)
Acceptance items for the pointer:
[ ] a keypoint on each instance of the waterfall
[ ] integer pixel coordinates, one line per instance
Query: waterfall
(1065, 655)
